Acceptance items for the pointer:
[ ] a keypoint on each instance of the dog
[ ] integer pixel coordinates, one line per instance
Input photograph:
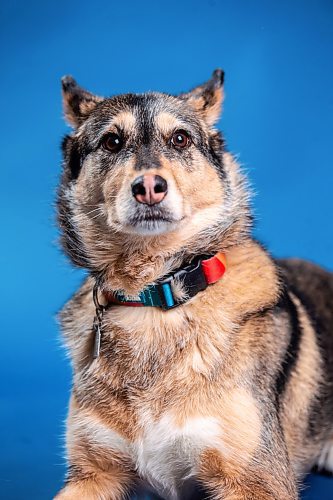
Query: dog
(198, 360)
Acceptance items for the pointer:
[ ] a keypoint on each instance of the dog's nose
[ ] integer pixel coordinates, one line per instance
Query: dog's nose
(149, 189)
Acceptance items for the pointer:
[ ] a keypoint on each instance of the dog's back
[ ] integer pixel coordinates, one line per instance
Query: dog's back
(314, 288)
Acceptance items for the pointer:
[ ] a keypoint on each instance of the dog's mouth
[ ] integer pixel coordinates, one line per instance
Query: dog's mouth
(152, 220)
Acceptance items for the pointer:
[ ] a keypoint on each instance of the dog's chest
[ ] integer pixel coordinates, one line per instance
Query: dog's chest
(165, 453)
(168, 456)
(181, 344)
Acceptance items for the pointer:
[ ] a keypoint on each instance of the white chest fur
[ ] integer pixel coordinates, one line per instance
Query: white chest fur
(165, 455)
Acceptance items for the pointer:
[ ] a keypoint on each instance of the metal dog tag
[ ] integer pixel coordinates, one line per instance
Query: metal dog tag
(97, 341)
(97, 325)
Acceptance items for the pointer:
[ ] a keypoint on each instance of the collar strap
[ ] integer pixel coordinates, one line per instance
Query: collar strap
(204, 270)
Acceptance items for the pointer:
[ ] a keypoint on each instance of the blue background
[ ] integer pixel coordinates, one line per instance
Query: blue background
(278, 118)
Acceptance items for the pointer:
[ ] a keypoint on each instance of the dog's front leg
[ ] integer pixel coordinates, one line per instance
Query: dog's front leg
(99, 465)
(231, 481)
(98, 485)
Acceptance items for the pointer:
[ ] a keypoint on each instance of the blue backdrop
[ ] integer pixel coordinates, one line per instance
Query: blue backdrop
(278, 119)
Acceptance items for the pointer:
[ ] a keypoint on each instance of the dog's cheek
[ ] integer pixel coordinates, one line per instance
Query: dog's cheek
(88, 189)
(117, 194)
(202, 187)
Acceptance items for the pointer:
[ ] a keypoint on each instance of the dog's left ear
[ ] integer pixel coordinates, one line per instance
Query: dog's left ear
(78, 103)
(207, 98)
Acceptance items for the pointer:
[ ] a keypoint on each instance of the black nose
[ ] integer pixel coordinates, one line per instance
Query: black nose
(149, 189)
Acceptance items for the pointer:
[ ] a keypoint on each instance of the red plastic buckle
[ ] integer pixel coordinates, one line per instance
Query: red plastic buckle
(214, 268)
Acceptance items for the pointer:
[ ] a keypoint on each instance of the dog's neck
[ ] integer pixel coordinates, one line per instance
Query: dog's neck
(137, 263)
(132, 271)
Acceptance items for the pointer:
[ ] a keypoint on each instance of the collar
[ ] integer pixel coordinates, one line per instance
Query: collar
(203, 270)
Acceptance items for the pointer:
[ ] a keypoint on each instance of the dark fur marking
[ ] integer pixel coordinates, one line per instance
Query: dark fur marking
(146, 158)
(216, 147)
(318, 403)
(322, 403)
(145, 126)
(72, 155)
(291, 354)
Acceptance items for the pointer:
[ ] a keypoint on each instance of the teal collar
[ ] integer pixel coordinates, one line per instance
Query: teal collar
(202, 271)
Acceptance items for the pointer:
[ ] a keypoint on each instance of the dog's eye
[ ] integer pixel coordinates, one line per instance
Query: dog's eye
(112, 142)
(180, 139)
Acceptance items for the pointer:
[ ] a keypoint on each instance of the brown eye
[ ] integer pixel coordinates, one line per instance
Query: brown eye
(112, 142)
(180, 139)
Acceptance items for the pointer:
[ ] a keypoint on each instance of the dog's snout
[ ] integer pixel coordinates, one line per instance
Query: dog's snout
(149, 189)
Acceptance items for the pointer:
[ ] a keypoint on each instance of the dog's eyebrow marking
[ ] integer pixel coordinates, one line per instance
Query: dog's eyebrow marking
(124, 120)
(167, 122)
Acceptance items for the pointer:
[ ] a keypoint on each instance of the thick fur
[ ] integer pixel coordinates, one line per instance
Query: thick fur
(233, 390)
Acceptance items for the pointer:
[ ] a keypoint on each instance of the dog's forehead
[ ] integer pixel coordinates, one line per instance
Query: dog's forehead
(148, 111)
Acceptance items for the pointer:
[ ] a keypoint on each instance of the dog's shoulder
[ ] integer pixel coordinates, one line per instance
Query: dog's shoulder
(76, 319)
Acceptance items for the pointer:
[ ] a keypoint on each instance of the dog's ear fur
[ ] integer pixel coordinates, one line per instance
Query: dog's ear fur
(207, 98)
(77, 102)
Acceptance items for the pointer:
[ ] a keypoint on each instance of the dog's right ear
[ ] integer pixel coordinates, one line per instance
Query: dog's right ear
(77, 102)
(207, 99)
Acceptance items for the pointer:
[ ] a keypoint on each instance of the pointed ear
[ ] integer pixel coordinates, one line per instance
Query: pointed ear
(77, 102)
(207, 98)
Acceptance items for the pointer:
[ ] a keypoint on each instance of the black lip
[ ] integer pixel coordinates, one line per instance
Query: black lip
(151, 214)
(156, 218)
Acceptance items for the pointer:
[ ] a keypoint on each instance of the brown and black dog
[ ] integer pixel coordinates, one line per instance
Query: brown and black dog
(233, 388)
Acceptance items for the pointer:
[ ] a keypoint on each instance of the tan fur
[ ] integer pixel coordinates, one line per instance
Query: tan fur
(87, 105)
(124, 120)
(98, 486)
(167, 123)
(210, 114)
(235, 486)
(213, 114)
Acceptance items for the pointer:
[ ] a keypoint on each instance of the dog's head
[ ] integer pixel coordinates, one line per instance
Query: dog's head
(147, 171)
